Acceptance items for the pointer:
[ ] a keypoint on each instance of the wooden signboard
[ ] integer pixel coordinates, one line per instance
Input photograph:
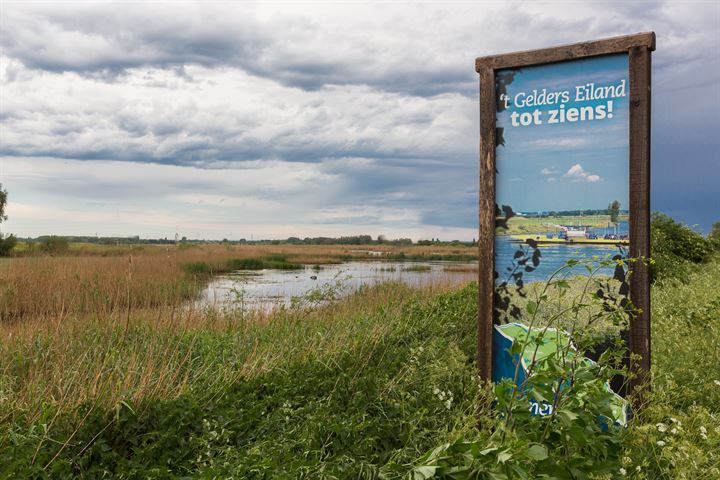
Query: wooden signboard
(565, 133)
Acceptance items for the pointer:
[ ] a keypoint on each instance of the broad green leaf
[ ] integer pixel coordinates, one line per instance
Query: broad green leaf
(531, 307)
(537, 452)
(424, 472)
(504, 456)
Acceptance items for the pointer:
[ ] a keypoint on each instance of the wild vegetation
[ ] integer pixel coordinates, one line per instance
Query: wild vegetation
(102, 376)
(677, 248)
(7, 242)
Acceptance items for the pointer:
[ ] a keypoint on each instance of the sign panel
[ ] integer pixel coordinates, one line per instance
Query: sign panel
(564, 175)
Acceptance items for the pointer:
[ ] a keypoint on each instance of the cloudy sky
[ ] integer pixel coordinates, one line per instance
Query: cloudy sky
(266, 120)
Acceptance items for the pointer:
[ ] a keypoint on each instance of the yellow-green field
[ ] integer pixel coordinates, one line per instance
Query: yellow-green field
(519, 225)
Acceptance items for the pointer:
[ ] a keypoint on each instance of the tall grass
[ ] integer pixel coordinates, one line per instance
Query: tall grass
(66, 384)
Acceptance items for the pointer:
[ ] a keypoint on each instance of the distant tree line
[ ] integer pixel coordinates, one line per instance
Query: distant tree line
(134, 240)
(56, 244)
(347, 240)
(613, 209)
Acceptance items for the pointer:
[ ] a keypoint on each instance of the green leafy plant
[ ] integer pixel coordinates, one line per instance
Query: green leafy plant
(556, 419)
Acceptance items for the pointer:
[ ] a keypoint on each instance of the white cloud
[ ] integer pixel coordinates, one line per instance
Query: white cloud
(577, 174)
(223, 115)
(550, 174)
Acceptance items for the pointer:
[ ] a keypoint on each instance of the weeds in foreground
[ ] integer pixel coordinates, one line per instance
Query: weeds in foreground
(346, 388)
(556, 416)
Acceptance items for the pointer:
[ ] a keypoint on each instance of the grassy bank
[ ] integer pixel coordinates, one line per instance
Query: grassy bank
(368, 384)
(678, 435)
(363, 388)
(349, 391)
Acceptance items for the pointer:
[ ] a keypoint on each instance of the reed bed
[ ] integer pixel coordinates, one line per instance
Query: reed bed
(149, 277)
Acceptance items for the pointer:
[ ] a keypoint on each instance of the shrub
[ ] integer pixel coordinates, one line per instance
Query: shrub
(278, 262)
(714, 235)
(7, 244)
(245, 264)
(54, 245)
(674, 246)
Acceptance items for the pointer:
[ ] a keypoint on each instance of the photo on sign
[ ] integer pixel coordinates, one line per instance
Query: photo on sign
(562, 166)
(562, 195)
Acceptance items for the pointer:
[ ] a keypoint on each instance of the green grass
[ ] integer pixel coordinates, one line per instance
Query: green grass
(300, 396)
(686, 382)
(417, 268)
(274, 262)
(429, 257)
(359, 389)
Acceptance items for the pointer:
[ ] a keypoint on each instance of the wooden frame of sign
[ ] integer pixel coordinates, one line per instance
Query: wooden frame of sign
(638, 48)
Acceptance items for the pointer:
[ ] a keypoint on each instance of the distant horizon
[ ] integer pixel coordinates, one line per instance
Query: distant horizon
(168, 240)
(171, 238)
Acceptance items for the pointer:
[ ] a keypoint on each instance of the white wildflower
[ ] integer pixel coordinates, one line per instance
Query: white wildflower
(627, 461)
(623, 471)
(638, 468)
(674, 431)
(660, 443)
(662, 428)
(717, 382)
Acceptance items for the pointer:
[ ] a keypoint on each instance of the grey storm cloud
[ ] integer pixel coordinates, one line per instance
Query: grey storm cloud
(417, 49)
(382, 99)
(103, 41)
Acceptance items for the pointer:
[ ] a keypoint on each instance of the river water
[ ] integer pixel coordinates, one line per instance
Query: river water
(553, 257)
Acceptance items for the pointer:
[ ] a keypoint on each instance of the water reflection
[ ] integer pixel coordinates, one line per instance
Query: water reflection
(267, 289)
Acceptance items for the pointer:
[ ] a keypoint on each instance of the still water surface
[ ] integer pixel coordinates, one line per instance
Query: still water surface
(267, 289)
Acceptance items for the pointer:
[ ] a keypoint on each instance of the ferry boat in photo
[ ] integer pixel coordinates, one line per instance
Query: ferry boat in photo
(573, 234)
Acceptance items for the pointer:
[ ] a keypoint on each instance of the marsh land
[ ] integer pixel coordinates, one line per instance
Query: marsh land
(107, 371)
